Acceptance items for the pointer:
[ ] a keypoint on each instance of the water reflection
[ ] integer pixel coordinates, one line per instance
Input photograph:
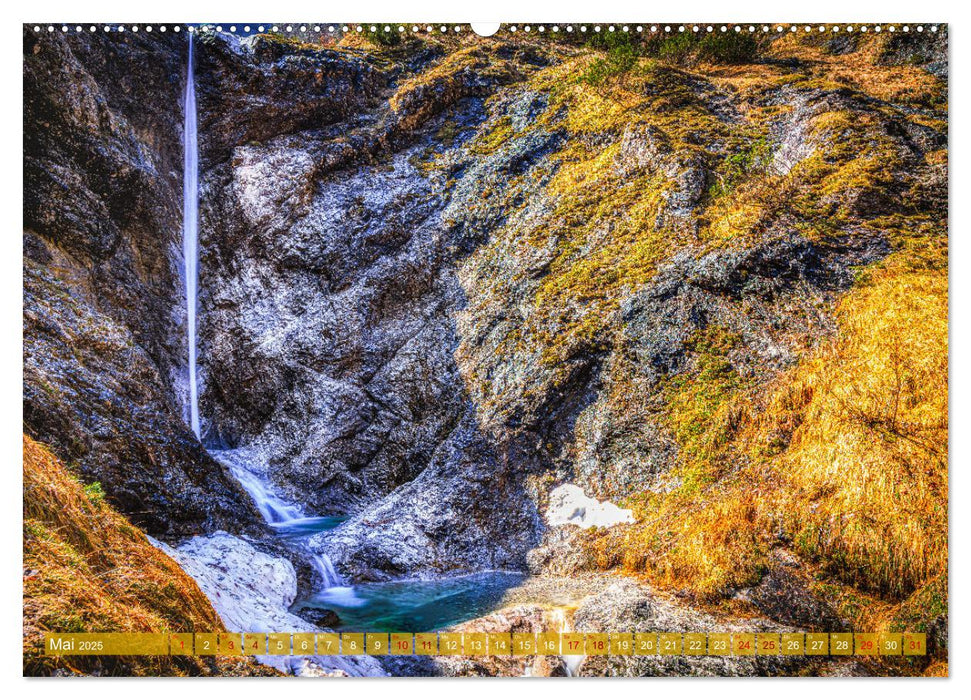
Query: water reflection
(414, 605)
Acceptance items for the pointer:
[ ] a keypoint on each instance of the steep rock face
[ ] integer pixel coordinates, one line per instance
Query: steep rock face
(465, 510)
(328, 321)
(254, 89)
(103, 172)
(104, 337)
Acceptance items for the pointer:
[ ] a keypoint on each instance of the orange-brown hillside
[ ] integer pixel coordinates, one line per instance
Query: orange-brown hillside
(87, 569)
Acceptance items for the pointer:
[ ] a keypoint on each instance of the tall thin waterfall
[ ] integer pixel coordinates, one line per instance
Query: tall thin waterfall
(246, 467)
(190, 232)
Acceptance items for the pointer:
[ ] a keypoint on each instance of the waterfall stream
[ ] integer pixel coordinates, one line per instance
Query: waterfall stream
(560, 622)
(190, 231)
(285, 517)
(405, 604)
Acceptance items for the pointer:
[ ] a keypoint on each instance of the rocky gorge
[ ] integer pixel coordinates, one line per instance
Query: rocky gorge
(571, 308)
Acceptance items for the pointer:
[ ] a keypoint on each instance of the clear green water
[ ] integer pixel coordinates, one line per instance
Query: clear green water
(411, 605)
(302, 528)
(414, 605)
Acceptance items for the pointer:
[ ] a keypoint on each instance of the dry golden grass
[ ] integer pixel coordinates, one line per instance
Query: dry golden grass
(845, 462)
(868, 465)
(861, 70)
(87, 569)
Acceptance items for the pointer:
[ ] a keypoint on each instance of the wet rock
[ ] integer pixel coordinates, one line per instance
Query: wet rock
(459, 513)
(319, 616)
(252, 592)
(102, 171)
(329, 303)
(356, 345)
(93, 394)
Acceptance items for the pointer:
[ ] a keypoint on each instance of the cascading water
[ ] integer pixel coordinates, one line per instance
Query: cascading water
(560, 619)
(190, 231)
(423, 603)
(286, 518)
(283, 516)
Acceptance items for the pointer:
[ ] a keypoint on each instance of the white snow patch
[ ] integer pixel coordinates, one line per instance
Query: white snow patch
(569, 505)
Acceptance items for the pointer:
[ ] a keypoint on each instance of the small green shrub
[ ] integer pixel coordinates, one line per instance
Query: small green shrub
(684, 48)
(728, 47)
(95, 492)
(740, 166)
(621, 57)
(392, 37)
(677, 49)
(609, 41)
